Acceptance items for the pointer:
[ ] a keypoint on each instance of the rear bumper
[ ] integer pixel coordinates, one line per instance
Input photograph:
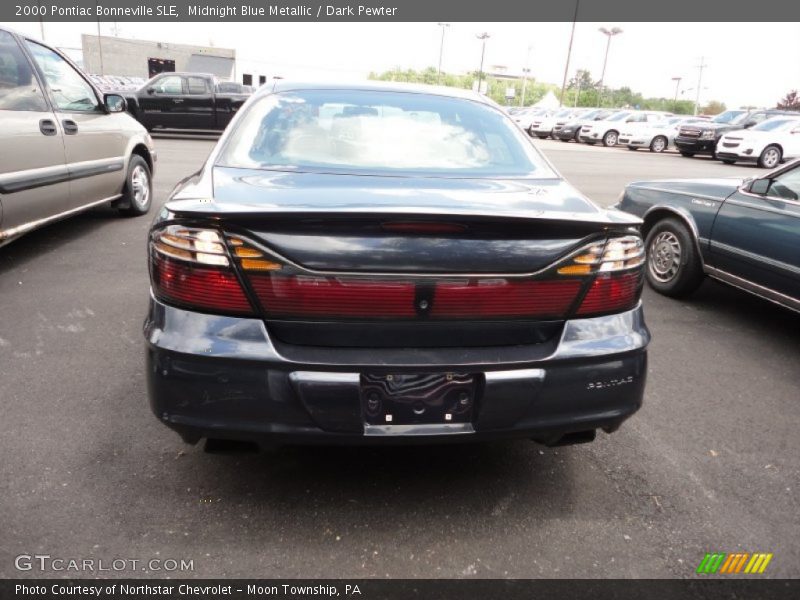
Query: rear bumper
(223, 377)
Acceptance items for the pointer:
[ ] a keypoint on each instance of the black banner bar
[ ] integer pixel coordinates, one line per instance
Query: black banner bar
(404, 589)
(400, 10)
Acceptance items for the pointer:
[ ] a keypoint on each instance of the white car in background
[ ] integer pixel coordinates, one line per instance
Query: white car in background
(607, 130)
(543, 125)
(767, 144)
(657, 136)
(524, 118)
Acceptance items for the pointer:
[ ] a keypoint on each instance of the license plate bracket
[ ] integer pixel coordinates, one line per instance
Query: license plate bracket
(417, 398)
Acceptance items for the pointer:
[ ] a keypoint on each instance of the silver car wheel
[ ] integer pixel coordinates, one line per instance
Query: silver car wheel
(771, 158)
(140, 186)
(658, 144)
(610, 139)
(664, 257)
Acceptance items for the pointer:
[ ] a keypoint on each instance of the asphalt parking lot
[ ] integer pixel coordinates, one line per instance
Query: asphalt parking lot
(710, 463)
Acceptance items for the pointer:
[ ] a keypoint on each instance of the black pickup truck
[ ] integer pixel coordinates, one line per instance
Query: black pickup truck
(185, 101)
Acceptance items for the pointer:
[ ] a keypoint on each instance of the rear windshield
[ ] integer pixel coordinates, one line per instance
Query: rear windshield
(380, 132)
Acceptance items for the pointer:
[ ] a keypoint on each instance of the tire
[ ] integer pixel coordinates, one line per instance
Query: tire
(610, 138)
(659, 144)
(137, 195)
(577, 136)
(634, 148)
(543, 137)
(687, 154)
(770, 157)
(673, 265)
(728, 161)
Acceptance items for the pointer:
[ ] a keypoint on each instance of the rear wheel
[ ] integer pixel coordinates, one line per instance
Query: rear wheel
(138, 192)
(610, 138)
(673, 264)
(770, 157)
(659, 144)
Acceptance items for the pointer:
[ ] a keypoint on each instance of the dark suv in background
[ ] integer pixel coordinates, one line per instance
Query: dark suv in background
(702, 138)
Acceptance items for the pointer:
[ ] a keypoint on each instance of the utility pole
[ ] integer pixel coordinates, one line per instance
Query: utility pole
(100, 46)
(41, 19)
(444, 27)
(525, 72)
(700, 68)
(569, 54)
(483, 37)
(578, 93)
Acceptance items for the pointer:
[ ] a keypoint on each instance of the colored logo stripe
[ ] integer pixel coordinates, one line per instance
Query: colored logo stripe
(737, 562)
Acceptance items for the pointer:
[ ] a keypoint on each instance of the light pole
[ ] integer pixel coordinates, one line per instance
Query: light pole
(569, 54)
(677, 81)
(483, 37)
(609, 33)
(525, 72)
(444, 27)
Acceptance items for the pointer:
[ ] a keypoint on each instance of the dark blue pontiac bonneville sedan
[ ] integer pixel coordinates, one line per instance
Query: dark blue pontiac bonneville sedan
(742, 232)
(382, 263)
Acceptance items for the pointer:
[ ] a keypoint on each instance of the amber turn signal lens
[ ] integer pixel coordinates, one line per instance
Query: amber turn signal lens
(575, 270)
(245, 252)
(255, 264)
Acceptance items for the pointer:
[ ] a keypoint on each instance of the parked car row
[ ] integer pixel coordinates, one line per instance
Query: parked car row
(764, 137)
(116, 83)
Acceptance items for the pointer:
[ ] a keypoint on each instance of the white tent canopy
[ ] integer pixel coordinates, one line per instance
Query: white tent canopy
(549, 101)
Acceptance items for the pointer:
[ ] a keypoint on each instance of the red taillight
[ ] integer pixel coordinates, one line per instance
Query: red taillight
(612, 292)
(299, 296)
(505, 298)
(196, 286)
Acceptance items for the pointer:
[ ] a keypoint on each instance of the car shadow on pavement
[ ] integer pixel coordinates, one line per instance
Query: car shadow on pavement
(734, 304)
(386, 485)
(50, 238)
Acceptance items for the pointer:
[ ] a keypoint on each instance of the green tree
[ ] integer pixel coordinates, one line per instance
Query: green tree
(714, 107)
(790, 101)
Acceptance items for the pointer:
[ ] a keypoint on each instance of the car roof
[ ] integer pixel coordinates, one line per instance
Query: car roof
(284, 85)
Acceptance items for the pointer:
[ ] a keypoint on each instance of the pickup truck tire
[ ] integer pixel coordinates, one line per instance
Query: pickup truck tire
(610, 138)
(770, 157)
(659, 144)
(137, 195)
(673, 266)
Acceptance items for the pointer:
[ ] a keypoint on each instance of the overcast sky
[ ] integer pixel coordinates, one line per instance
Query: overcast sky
(748, 63)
